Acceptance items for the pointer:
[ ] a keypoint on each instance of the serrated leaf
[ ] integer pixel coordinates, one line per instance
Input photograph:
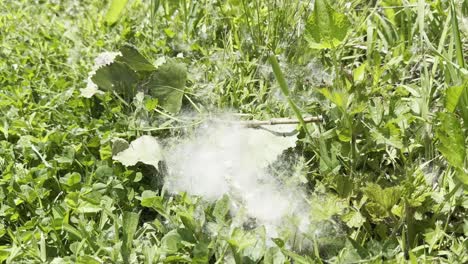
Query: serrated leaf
(150, 103)
(115, 9)
(326, 28)
(384, 197)
(167, 84)
(327, 206)
(119, 145)
(376, 210)
(118, 77)
(145, 149)
(134, 59)
(339, 98)
(451, 138)
(354, 219)
(452, 97)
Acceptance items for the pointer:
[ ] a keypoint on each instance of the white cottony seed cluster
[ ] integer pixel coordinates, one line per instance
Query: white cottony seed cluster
(232, 160)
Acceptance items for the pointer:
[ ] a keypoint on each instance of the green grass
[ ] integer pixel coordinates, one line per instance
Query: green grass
(389, 162)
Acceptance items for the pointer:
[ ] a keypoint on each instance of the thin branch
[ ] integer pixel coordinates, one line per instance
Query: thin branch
(274, 121)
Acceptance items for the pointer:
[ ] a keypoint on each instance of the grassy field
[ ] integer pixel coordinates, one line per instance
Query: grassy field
(385, 173)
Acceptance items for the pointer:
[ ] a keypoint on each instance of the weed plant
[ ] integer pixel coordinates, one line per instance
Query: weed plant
(386, 171)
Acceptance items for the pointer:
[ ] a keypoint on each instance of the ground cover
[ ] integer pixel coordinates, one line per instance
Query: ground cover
(381, 178)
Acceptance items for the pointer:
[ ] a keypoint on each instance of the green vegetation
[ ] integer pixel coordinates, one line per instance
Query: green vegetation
(386, 172)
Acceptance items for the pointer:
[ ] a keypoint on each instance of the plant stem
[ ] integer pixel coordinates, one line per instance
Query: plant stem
(284, 89)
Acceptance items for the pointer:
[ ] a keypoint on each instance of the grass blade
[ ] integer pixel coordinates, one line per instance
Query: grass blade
(456, 35)
(129, 225)
(285, 90)
(115, 9)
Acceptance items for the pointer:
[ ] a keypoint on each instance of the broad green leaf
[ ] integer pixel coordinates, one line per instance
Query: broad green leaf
(171, 242)
(105, 151)
(343, 185)
(360, 250)
(385, 197)
(68, 155)
(273, 255)
(324, 207)
(88, 260)
(4, 253)
(359, 73)
(462, 175)
(145, 149)
(104, 172)
(391, 196)
(453, 97)
(87, 208)
(167, 84)
(339, 98)
(150, 103)
(391, 139)
(354, 219)
(188, 221)
(451, 139)
(432, 237)
(326, 28)
(72, 199)
(115, 9)
(134, 59)
(187, 235)
(152, 200)
(118, 77)
(71, 179)
(201, 253)
(296, 257)
(376, 210)
(279, 242)
(221, 208)
(119, 145)
(241, 239)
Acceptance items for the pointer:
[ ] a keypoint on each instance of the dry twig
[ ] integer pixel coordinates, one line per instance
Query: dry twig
(273, 121)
